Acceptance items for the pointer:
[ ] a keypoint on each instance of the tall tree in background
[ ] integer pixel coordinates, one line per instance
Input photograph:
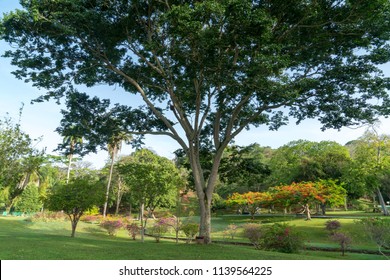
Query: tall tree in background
(154, 181)
(71, 141)
(114, 146)
(371, 154)
(304, 160)
(207, 70)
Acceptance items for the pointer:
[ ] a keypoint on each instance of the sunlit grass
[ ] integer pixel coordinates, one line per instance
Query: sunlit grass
(51, 240)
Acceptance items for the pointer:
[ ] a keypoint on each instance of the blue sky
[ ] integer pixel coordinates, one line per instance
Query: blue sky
(41, 119)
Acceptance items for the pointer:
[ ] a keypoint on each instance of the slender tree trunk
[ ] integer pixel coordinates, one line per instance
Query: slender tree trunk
(307, 211)
(177, 228)
(74, 219)
(141, 218)
(118, 197)
(109, 183)
(69, 166)
(382, 202)
(323, 208)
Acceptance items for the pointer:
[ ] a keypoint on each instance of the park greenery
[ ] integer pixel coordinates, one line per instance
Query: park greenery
(205, 71)
(271, 216)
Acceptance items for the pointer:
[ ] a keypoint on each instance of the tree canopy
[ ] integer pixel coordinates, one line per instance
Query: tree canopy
(76, 197)
(207, 70)
(18, 160)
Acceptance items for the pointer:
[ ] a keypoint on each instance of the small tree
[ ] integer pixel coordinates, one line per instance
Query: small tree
(76, 197)
(133, 230)
(158, 229)
(153, 180)
(302, 194)
(173, 222)
(254, 233)
(112, 226)
(190, 231)
(29, 200)
(379, 231)
(231, 230)
(250, 201)
(342, 239)
(332, 226)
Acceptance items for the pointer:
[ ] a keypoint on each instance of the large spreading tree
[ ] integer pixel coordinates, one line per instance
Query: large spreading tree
(207, 70)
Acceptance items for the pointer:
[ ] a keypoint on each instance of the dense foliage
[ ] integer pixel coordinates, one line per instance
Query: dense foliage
(76, 197)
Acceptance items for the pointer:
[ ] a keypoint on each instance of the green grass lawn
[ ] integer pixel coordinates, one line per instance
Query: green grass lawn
(51, 240)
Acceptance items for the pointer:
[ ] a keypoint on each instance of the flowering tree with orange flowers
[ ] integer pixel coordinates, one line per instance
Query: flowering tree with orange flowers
(250, 201)
(302, 194)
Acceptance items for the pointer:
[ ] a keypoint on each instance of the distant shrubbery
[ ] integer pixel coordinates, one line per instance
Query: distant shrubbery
(47, 217)
(92, 218)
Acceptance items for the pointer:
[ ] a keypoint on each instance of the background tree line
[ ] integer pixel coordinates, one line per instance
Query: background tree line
(143, 179)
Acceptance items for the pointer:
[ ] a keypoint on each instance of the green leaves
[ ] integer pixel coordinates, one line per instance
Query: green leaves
(153, 180)
(18, 158)
(76, 197)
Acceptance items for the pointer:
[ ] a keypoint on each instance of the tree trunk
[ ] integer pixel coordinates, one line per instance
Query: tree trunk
(141, 218)
(205, 220)
(68, 171)
(74, 220)
(307, 211)
(382, 202)
(119, 197)
(205, 190)
(323, 208)
(109, 182)
(177, 229)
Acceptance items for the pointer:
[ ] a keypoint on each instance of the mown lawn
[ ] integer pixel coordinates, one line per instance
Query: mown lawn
(50, 241)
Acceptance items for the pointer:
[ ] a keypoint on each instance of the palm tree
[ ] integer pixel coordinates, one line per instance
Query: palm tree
(114, 146)
(71, 141)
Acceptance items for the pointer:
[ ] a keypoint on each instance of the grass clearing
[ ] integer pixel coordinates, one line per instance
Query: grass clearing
(51, 241)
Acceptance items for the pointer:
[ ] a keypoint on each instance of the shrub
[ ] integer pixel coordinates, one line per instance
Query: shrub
(332, 226)
(112, 226)
(93, 211)
(47, 217)
(254, 233)
(158, 229)
(231, 230)
(379, 231)
(133, 230)
(91, 218)
(282, 238)
(342, 239)
(190, 230)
